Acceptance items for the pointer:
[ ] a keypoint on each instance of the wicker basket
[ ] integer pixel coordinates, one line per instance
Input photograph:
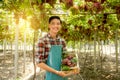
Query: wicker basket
(74, 68)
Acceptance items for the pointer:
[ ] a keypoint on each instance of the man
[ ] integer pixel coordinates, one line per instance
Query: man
(49, 51)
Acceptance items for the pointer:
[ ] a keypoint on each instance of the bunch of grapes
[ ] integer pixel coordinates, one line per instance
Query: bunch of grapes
(68, 61)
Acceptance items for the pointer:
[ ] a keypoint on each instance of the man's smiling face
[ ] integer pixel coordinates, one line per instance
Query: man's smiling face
(55, 26)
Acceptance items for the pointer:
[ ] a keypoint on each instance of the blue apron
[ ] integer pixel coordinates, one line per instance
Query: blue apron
(54, 61)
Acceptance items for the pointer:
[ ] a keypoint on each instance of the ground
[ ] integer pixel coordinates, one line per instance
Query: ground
(7, 68)
(106, 67)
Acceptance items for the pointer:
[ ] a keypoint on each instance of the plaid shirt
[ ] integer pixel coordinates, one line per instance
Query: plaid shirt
(44, 45)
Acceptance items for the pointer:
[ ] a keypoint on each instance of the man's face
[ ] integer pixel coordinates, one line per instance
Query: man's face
(55, 26)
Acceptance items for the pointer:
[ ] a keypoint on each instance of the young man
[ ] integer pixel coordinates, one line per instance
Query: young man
(49, 51)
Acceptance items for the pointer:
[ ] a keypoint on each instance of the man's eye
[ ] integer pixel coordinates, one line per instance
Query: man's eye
(53, 23)
(58, 23)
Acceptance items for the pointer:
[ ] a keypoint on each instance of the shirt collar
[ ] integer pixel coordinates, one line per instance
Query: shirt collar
(57, 37)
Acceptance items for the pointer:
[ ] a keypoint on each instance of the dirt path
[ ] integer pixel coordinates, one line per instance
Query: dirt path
(7, 66)
(86, 65)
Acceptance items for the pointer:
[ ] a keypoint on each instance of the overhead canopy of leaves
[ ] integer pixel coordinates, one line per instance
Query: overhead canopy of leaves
(81, 17)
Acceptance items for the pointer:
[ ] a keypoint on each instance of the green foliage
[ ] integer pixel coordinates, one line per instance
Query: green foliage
(83, 19)
(65, 68)
(113, 3)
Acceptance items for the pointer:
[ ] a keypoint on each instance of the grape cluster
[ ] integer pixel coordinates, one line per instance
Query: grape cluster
(69, 60)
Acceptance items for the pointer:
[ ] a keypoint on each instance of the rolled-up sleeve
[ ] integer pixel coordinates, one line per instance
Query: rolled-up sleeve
(40, 51)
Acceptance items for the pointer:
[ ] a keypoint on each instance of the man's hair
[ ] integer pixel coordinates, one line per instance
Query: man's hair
(54, 17)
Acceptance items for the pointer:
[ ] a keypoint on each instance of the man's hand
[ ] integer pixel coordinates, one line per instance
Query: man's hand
(63, 74)
(76, 71)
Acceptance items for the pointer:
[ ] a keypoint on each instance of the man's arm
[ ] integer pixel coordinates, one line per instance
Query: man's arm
(47, 68)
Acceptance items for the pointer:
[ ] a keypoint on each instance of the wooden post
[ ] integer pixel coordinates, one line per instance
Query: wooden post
(16, 47)
(25, 48)
(116, 49)
(95, 52)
